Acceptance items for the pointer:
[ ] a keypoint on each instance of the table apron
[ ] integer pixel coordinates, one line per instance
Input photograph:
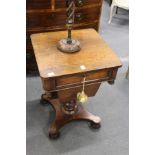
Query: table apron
(75, 85)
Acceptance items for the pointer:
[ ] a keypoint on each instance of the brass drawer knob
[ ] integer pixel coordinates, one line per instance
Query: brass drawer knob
(53, 15)
(79, 16)
(79, 3)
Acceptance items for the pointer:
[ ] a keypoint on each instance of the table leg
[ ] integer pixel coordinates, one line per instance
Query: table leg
(63, 118)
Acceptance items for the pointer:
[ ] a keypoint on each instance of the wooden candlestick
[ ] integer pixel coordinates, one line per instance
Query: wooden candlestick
(69, 44)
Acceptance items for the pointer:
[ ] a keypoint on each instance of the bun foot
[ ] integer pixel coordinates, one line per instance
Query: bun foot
(111, 82)
(43, 101)
(95, 125)
(54, 135)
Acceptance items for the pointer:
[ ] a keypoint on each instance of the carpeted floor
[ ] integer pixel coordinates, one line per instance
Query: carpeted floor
(110, 103)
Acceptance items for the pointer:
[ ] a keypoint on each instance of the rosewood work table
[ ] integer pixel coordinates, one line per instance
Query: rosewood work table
(62, 74)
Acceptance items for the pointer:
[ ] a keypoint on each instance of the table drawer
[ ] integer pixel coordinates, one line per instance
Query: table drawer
(77, 79)
(38, 4)
(48, 19)
(79, 3)
(68, 94)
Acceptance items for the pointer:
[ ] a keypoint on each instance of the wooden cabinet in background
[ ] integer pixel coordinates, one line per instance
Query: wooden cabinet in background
(50, 15)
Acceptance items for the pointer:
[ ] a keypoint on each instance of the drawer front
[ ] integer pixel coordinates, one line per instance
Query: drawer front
(48, 19)
(71, 93)
(86, 26)
(94, 25)
(77, 79)
(79, 3)
(38, 4)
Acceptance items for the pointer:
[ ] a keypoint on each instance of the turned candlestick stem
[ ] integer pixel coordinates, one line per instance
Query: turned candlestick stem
(69, 45)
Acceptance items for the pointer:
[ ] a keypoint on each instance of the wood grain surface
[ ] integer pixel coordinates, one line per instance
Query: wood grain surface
(94, 55)
(63, 74)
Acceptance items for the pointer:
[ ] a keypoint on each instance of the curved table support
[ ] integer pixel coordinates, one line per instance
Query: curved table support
(61, 118)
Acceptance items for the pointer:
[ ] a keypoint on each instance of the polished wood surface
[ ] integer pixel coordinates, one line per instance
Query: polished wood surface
(50, 15)
(62, 74)
(38, 4)
(61, 118)
(94, 55)
(49, 19)
(79, 3)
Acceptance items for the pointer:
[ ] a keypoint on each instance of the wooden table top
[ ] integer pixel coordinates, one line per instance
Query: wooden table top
(94, 55)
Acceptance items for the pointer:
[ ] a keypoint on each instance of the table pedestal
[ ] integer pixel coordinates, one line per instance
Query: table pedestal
(67, 113)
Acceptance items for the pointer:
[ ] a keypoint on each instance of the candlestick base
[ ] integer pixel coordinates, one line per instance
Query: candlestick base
(74, 46)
